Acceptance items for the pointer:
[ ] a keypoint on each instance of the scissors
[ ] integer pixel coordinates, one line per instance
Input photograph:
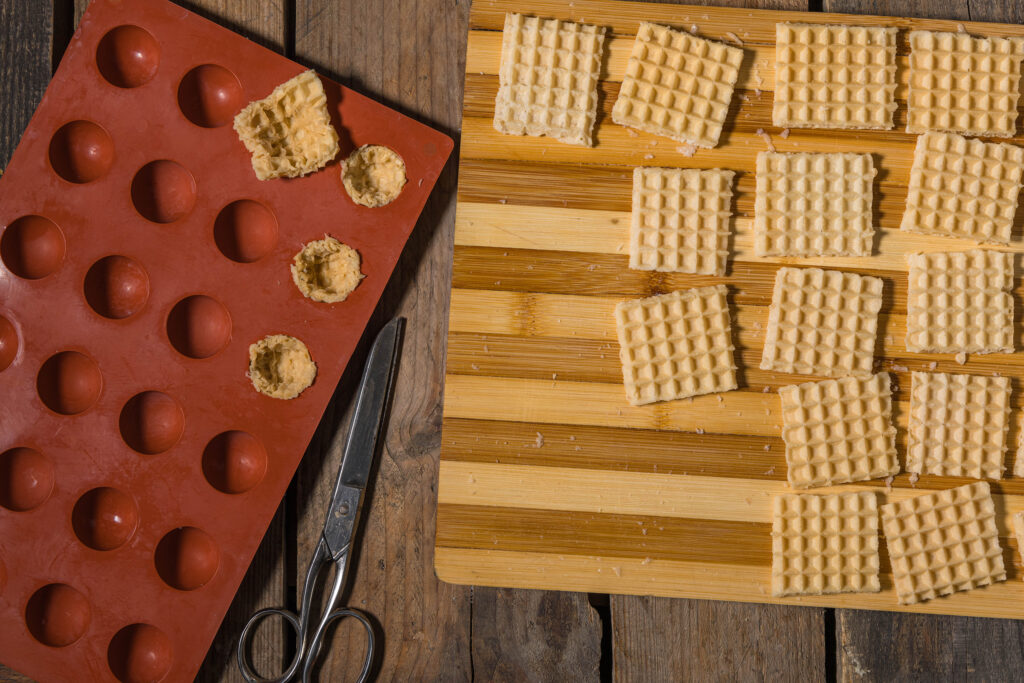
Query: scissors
(340, 525)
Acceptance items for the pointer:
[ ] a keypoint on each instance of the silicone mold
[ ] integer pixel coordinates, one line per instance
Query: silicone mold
(139, 258)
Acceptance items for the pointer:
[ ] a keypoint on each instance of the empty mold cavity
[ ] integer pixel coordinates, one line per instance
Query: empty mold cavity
(163, 191)
(199, 326)
(245, 231)
(105, 518)
(186, 558)
(69, 382)
(26, 479)
(151, 422)
(234, 462)
(116, 287)
(32, 247)
(140, 653)
(210, 96)
(81, 152)
(8, 343)
(57, 615)
(128, 56)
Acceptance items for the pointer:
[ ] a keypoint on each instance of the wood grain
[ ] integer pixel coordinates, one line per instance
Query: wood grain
(26, 34)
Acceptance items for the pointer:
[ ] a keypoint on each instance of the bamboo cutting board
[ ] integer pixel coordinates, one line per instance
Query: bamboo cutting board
(549, 478)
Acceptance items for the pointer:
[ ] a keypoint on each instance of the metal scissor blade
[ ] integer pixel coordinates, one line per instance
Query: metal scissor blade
(378, 376)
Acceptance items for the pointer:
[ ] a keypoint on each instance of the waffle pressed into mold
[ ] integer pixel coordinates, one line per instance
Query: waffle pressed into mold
(838, 430)
(943, 542)
(834, 76)
(676, 345)
(813, 204)
(680, 220)
(963, 84)
(823, 544)
(548, 79)
(960, 302)
(822, 322)
(958, 425)
(677, 85)
(963, 188)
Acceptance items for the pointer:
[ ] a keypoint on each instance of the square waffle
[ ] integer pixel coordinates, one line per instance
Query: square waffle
(963, 188)
(822, 322)
(676, 345)
(943, 542)
(289, 132)
(958, 425)
(813, 204)
(548, 79)
(680, 220)
(825, 544)
(677, 85)
(960, 302)
(834, 76)
(963, 84)
(838, 430)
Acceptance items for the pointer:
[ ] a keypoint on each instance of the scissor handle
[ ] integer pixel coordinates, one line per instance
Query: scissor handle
(245, 664)
(336, 615)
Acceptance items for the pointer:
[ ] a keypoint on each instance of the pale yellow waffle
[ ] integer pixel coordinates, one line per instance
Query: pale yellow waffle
(676, 345)
(813, 204)
(289, 132)
(963, 84)
(680, 220)
(838, 430)
(1018, 532)
(960, 302)
(548, 79)
(834, 76)
(943, 542)
(822, 322)
(963, 188)
(677, 85)
(825, 544)
(958, 425)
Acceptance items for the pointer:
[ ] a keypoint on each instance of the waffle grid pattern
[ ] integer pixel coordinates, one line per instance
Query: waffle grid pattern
(834, 76)
(960, 302)
(943, 542)
(822, 322)
(548, 79)
(825, 544)
(963, 84)
(677, 85)
(958, 425)
(838, 430)
(676, 345)
(963, 188)
(813, 204)
(680, 220)
(289, 132)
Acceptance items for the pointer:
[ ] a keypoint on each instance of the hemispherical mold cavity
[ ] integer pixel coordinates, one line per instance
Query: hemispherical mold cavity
(26, 478)
(57, 615)
(234, 461)
(163, 191)
(187, 558)
(105, 518)
(69, 382)
(81, 152)
(128, 56)
(140, 653)
(199, 326)
(32, 247)
(8, 343)
(151, 422)
(209, 96)
(245, 231)
(116, 287)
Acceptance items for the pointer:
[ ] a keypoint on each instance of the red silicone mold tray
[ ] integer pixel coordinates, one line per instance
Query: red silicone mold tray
(140, 258)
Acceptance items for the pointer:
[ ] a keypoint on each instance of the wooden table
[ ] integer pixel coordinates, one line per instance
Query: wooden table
(411, 54)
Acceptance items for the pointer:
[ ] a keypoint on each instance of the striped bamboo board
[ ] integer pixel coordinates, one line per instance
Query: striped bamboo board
(549, 478)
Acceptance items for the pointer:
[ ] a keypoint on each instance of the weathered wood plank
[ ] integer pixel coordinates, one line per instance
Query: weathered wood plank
(26, 34)
(409, 56)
